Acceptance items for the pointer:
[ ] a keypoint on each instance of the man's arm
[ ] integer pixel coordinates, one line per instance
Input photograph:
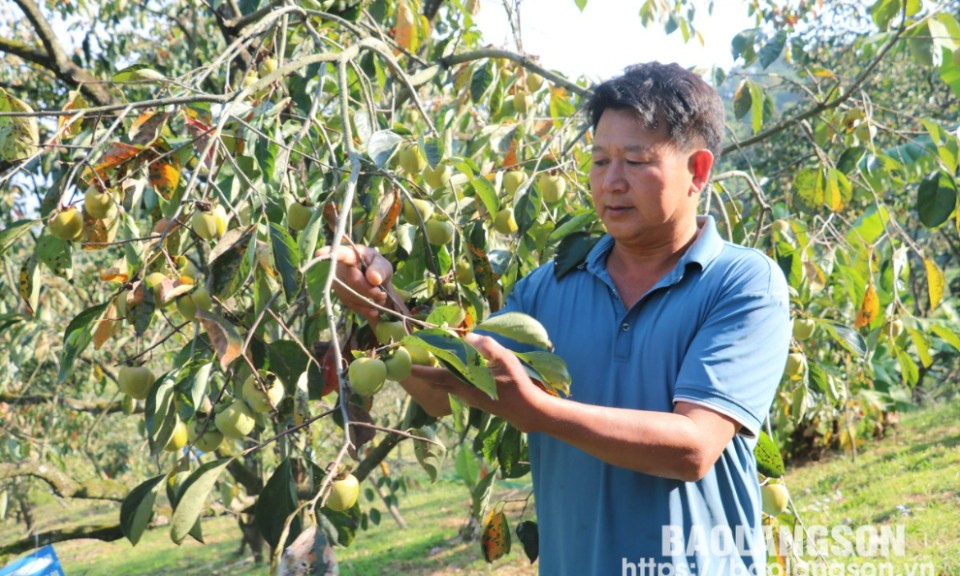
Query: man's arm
(683, 444)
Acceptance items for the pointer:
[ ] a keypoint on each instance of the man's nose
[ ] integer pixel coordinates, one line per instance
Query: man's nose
(614, 178)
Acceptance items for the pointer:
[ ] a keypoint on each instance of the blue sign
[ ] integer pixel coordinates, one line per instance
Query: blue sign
(43, 562)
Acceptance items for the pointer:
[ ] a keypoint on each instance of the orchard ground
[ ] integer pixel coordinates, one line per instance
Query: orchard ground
(909, 478)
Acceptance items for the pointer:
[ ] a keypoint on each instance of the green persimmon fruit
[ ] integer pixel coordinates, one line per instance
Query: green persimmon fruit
(505, 223)
(236, 420)
(343, 493)
(552, 187)
(256, 398)
(439, 232)
(512, 180)
(298, 215)
(411, 160)
(464, 272)
(437, 177)
(796, 365)
(399, 365)
(411, 209)
(98, 204)
(803, 328)
(389, 331)
(367, 375)
(135, 381)
(209, 441)
(775, 498)
(67, 225)
(178, 439)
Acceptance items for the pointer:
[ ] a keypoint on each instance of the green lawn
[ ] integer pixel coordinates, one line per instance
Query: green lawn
(912, 478)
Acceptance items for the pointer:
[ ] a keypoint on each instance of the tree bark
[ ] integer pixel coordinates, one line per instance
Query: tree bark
(63, 485)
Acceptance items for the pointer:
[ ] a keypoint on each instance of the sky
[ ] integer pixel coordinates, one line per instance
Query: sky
(608, 35)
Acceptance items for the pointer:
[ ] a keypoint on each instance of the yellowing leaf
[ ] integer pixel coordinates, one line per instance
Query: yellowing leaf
(117, 273)
(19, 135)
(107, 326)
(118, 154)
(935, 282)
(405, 32)
(75, 100)
(868, 309)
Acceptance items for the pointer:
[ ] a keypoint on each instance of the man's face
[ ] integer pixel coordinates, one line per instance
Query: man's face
(642, 186)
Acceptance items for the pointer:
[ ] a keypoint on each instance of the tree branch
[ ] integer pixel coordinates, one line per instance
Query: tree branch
(454, 59)
(56, 59)
(103, 532)
(63, 485)
(29, 53)
(71, 403)
(821, 106)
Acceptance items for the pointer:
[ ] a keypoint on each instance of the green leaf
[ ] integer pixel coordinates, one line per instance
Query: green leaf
(581, 4)
(487, 194)
(286, 256)
(433, 150)
(13, 232)
(948, 335)
(551, 369)
(287, 360)
(922, 344)
(481, 494)
(467, 467)
(742, 100)
(137, 508)
(430, 455)
(572, 252)
(160, 413)
(481, 80)
(227, 269)
(193, 498)
(382, 145)
(449, 314)
(513, 460)
(757, 100)
(56, 254)
(744, 45)
(575, 222)
(769, 461)
(138, 73)
(908, 368)
(519, 327)
(884, 11)
(316, 277)
(457, 355)
(936, 199)
(277, 501)
(76, 337)
(529, 535)
(772, 49)
(194, 384)
(848, 338)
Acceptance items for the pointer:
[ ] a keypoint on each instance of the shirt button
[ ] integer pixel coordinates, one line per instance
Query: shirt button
(625, 326)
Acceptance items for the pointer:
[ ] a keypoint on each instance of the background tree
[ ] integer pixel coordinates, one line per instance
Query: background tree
(167, 184)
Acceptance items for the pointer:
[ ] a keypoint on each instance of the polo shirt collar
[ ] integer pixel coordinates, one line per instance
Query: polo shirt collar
(704, 249)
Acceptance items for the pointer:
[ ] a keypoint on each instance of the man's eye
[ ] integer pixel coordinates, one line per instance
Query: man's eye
(600, 161)
(636, 162)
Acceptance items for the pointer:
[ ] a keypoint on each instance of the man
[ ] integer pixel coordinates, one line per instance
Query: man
(675, 341)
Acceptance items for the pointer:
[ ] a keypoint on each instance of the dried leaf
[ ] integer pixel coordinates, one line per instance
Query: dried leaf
(495, 540)
(164, 175)
(223, 336)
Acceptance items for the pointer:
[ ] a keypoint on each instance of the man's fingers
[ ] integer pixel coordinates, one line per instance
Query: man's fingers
(487, 346)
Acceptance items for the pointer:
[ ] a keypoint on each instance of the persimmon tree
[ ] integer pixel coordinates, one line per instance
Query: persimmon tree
(167, 186)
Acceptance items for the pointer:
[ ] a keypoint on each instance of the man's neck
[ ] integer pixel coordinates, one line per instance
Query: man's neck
(657, 255)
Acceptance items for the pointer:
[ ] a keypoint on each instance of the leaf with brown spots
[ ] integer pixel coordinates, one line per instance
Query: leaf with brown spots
(164, 175)
(147, 127)
(118, 154)
(868, 309)
(495, 540)
(30, 284)
(107, 326)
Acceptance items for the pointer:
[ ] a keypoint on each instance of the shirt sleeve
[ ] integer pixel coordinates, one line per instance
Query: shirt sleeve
(736, 360)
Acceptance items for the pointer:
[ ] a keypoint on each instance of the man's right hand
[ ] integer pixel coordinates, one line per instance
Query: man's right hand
(366, 272)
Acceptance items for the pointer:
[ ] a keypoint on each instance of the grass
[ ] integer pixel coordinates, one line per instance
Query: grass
(911, 478)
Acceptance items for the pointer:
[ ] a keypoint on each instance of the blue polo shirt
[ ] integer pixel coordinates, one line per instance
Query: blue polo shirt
(714, 331)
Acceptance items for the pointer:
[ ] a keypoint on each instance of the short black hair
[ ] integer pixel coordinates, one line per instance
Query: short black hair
(691, 108)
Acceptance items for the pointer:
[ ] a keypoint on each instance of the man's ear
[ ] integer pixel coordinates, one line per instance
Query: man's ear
(699, 164)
